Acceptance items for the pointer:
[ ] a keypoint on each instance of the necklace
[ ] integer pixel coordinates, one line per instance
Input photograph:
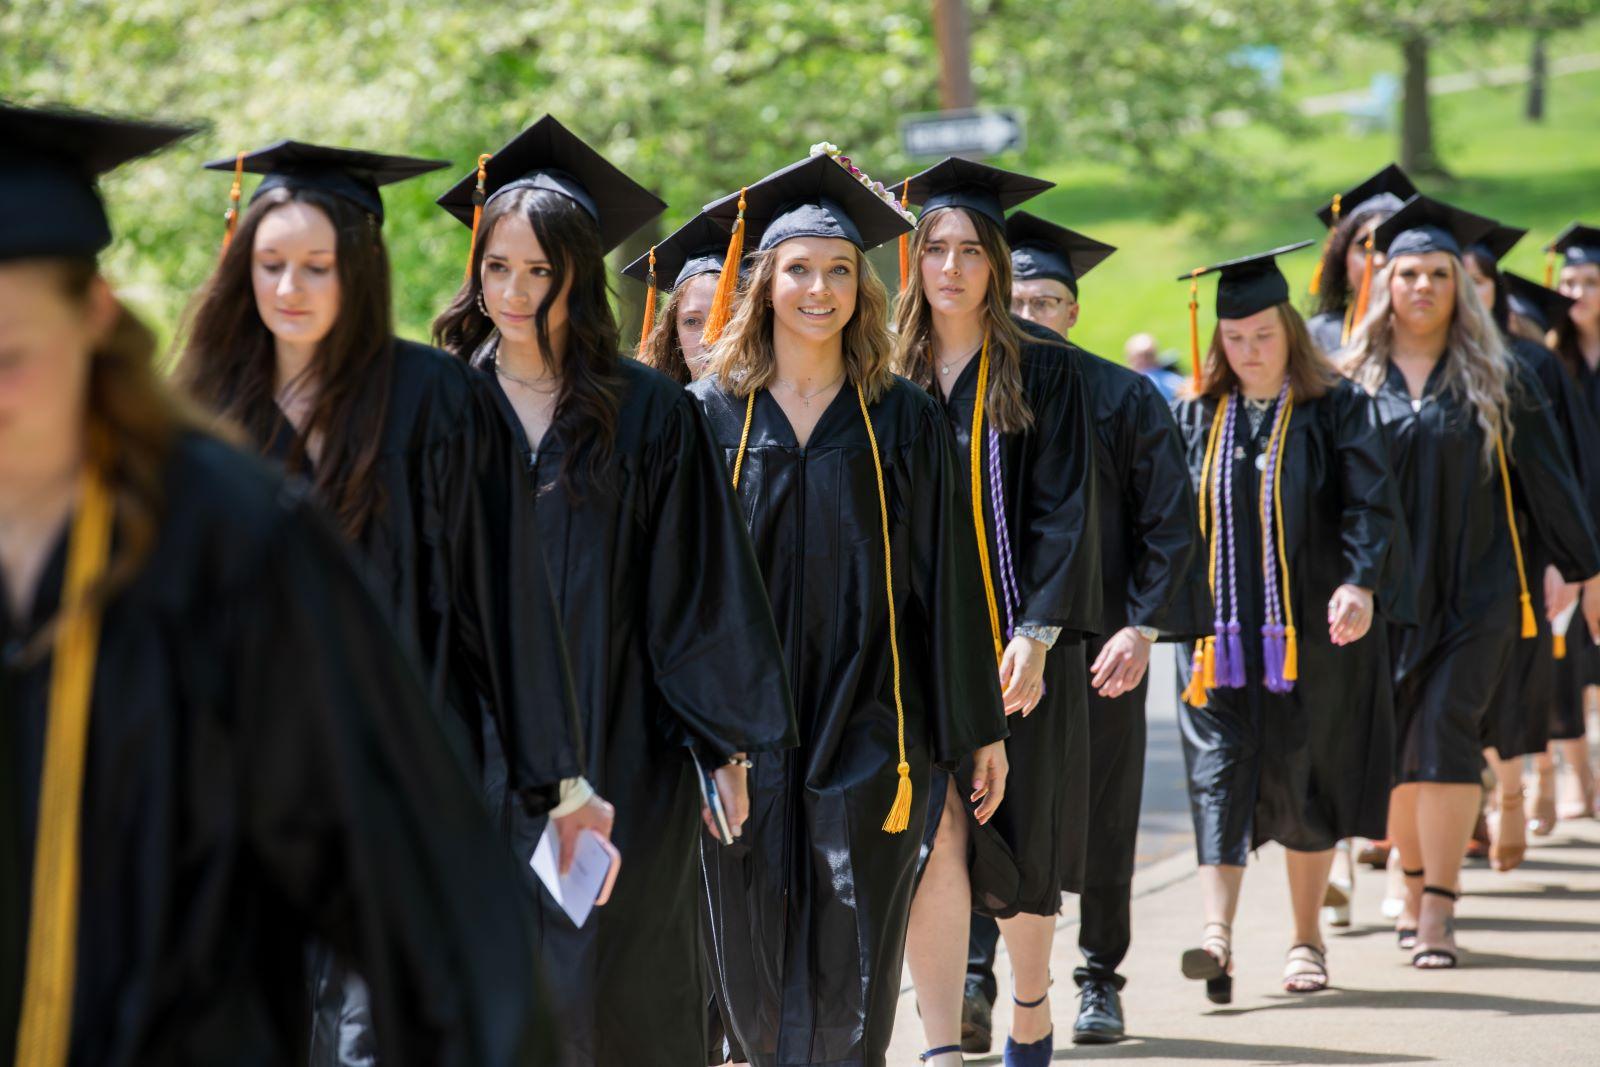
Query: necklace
(807, 398)
(532, 384)
(944, 368)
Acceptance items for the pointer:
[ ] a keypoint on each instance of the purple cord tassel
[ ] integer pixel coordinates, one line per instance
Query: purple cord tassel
(1235, 677)
(1272, 653)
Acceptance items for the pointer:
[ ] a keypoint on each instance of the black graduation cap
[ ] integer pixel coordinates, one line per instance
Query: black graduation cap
(1249, 284)
(815, 197)
(1386, 190)
(1498, 241)
(348, 173)
(1041, 249)
(547, 155)
(1427, 225)
(1542, 306)
(958, 182)
(50, 160)
(697, 247)
(1579, 243)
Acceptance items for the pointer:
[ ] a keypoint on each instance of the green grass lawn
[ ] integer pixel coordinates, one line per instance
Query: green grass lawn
(1537, 176)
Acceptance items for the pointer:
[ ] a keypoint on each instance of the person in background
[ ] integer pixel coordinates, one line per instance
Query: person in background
(1143, 355)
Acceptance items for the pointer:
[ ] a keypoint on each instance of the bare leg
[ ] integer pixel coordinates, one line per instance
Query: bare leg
(1408, 847)
(1219, 896)
(1575, 755)
(1508, 831)
(942, 908)
(1543, 814)
(1028, 942)
(1308, 876)
(1445, 815)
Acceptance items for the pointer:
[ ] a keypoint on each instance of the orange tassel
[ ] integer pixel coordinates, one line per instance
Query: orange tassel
(1560, 646)
(649, 301)
(1366, 285)
(1316, 278)
(1194, 694)
(1291, 654)
(905, 240)
(900, 811)
(1208, 670)
(722, 301)
(1550, 268)
(1316, 272)
(1530, 625)
(478, 199)
(1194, 330)
(230, 221)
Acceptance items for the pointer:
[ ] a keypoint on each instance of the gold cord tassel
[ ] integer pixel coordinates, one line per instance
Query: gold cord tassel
(1560, 649)
(1530, 625)
(1194, 694)
(44, 1032)
(722, 300)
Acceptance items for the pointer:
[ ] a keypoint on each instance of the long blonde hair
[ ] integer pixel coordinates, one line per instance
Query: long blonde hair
(744, 358)
(1007, 403)
(1477, 366)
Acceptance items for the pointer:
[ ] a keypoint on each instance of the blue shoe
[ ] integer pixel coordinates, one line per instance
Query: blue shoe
(1034, 1054)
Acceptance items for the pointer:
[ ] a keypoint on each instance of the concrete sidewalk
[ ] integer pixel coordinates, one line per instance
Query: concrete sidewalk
(1527, 992)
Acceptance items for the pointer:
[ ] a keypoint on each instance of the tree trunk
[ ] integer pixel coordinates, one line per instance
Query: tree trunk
(1416, 120)
(1537, 72)
(631, 294)
(952, 30)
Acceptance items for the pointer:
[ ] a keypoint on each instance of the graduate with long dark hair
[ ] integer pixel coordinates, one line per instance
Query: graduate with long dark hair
(1342, 281)
(1287, 712)
(667, 624)
(1013, 396)
(213, 746)
(292, 339)
(847, 483)
(685, 266)
(1469, 433)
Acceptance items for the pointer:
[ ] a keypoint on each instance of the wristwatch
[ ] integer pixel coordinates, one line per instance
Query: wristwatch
(1149, 633)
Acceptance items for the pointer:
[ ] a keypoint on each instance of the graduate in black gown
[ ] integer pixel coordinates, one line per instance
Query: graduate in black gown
(292, 339)
(1347, 262)
(686, 266)
(1014, 397)
(213, 747)
(1531, 698)
(1154, 588)
(846, 480)
(1470, 433)
(1287, 713)
(668, 628)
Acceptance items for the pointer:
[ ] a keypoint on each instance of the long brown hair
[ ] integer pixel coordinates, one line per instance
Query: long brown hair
(229, 361)
(133, 421)
(1335, 287)
(661, 349)
(587, 409)
(744, 358)
(1310, 373)
(1007, 403)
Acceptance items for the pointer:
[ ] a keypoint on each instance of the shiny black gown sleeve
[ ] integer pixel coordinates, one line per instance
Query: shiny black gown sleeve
(507, 635)
(1162, 520)
(967, 710)
(1372, 527)
(1059, 544)
(1549, 489)
(712, 640)
(358, 817)
(1572, 415)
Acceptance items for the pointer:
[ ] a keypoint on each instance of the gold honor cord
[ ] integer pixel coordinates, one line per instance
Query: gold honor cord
(1530, 626)
(1291, 641)
(44, 1034)
(977, 499)
(900, 812)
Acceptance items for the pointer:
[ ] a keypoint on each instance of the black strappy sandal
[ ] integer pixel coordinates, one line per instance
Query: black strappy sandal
(1198, 964)
(1438, 959)
(942, 1050)
(1406, 936)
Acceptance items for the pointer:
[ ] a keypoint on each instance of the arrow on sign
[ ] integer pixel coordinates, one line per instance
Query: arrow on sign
(985, 132)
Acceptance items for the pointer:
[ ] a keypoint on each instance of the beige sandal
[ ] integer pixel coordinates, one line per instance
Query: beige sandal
(1508, 837)
(1306, 970)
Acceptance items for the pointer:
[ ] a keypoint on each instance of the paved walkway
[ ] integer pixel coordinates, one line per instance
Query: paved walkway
(1528, 990)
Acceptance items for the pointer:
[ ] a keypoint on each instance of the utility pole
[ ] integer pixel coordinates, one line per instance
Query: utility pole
(953, 31)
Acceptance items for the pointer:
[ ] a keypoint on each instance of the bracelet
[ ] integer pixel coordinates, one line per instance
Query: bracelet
(740, 761)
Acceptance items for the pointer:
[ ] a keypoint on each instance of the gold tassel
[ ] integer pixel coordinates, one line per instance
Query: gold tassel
(1560, 646)
(1366, 286)
(1550, 267)
(1194, 330)
(905, 240)
(727, 283)
(1291, 654)
(1194, 694)
(478, 199)
(900, 811)
(1208, 672)
(1316, 279)
(649, 301)
(1530, 625)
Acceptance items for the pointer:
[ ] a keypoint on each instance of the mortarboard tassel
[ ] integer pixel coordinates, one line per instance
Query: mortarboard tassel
(1530, 625)
(722, 300)
(1366, 285)
(905, 240)
(478, 199)
(1194, 330)
(1550, 267)
(649, 301)
(230, 220)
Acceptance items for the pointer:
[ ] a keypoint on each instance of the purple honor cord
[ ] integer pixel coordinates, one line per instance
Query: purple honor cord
(1272, 632)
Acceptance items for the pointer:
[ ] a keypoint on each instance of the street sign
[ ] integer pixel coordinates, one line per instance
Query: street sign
(979, 132)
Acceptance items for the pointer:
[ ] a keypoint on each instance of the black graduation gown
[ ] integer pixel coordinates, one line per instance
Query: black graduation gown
(262, 766)
(1530, 703)
(672, 645)
(1581, 667)
(1448, 666)
(1034, 847)
(1315, 765)
(1152, 574)
(1327, 330)
(812, 903)
(477, 616)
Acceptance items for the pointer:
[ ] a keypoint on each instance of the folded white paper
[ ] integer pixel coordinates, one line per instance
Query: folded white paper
(577, 890)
